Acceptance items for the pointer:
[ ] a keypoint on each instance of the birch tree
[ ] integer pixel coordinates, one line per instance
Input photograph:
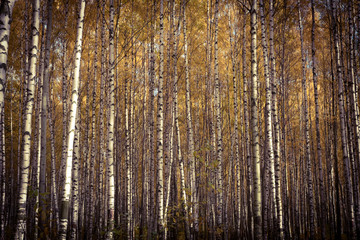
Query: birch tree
(176, 34)
(254, 126)
(44, 117)
(24, 175)
(344, 139)
(274, 91)
(268, 111)
(217, 102)
(317, 123)
(194, 194)
(93, 128)
(160, 126)
(110, 163)
(6, 8)
(310, 195)
(65, 196)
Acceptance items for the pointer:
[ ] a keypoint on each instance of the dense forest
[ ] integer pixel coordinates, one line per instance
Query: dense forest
(179, 119)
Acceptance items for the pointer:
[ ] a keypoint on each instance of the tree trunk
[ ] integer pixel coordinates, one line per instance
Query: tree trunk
(317, 125)
(54, 192)
(268, 118)
(65, 199)
(176, 115)
(217, 102)
(44, 111)
(6, 8)
(64, 100)
(344, 140)
(101, 120)
(160, 128)
(307, 135)
(110, 151)
(75, 182)
(254, 127)
(278, 173)
(24, 176)
(194, 194)
(93, 132)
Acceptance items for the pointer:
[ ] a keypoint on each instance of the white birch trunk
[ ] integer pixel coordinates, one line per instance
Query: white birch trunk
(176, 115)
(344, 140)
(276, 124)
(171, 158)
(24, 171)
(307, 134)
(110, 151)
(54, 193)
(317, 123)
(93, 132)
(64, 100)
(217, 102)
(194, 194)
(75, 182)
(254, 127)
(268, 117)
(101, 120)
(160, 127)
(6, 8)
(65, 198)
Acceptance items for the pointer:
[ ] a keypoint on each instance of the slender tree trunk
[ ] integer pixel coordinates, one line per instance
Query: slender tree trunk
(160, 127)
(171, 158)
(277, 173)
(110, 151)
(344, 140)
(24, 176)
(354, 91)
(176, 115)
(307, 135)
(236, 158)
(93, 132)
(33, 209)
(284, 169)
(317, 123)
(194, 194)
(144, 195)
(65, 198)
(64, 100)
(217, 100)
(44, 111)
(101, 120)
(54, 193)
(75, 181)
(268, 117)
(151, 128)
(254, 127)
(6, 8)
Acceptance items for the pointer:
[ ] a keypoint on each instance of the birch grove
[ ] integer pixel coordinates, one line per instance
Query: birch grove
(175, 119)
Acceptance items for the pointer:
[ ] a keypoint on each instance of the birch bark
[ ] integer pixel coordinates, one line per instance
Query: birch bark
(194, 194)
(268, 116)
(217, 102)
(6, 8)
(276, 124)
(44, 112)
(160, 127)
(344, 140)
(24, 170)
(110, 151)
(65, 198)
(317, 125)
(307, 134)
(254, 126)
